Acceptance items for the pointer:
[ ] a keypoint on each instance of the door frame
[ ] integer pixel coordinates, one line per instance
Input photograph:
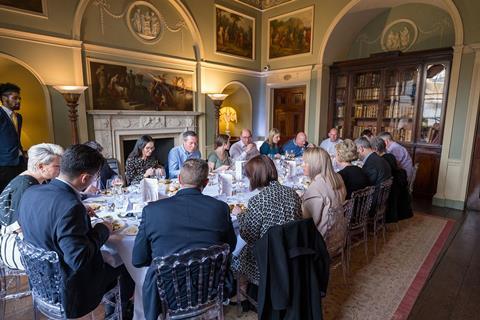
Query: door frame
(286, 78)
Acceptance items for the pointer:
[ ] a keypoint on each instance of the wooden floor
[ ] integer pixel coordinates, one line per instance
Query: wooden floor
(453, 289)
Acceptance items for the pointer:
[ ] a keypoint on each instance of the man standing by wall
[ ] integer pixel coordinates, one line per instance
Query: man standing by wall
(11, 156)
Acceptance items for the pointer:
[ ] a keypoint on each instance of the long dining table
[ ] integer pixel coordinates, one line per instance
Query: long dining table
(119, 247)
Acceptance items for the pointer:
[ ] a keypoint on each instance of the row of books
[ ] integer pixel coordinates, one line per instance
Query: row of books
(397, 110)
(403, 135)
(368, 80)
(367, 94)
(365, 110)
(340, 111)
(357, 130)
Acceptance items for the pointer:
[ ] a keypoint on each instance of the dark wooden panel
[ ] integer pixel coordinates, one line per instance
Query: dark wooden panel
(427, 174)
(289, 111)
(473, 194)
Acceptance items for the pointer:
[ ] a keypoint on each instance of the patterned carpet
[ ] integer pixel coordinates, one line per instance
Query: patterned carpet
(380, 289)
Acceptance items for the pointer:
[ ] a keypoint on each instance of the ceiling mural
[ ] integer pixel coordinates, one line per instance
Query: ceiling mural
(264, 4)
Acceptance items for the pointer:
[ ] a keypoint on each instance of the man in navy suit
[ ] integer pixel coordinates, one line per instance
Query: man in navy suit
(11, 156)
(376, 168)
(53, 217)
(185, 221)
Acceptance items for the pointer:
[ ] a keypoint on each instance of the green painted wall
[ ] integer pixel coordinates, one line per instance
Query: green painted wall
(469, 12)
(435, 29)
(460, 116)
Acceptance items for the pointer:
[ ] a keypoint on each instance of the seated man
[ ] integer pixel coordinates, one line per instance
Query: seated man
(376, 168)
(187, 220)
(178, 155)
(244, 149)
(297, 145)
(52, 217)
(329, 143)
(401, 154)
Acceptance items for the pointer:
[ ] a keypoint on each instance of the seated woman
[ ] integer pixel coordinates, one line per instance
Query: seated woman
(353, 176)
(274, 205)
(400, 201)
(140, 163)
(219, 159)
(326, 190)
(270, 147)
(43, 164)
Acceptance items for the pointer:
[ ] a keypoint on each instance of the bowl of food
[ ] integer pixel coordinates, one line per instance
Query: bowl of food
(117, 225)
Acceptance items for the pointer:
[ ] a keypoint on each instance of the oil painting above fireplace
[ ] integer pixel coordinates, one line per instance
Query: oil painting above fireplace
(130, 87)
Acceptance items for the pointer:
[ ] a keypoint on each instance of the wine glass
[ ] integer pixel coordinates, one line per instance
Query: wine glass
(117, 184)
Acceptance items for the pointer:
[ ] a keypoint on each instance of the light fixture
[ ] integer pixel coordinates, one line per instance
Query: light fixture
(217, 99)
(71, 94)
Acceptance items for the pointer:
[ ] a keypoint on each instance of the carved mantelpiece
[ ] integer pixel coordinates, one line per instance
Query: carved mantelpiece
(111, 127)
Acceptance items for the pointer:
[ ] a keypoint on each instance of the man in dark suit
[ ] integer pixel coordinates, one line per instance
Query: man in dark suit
(376, 168)
(185, 221)
(52, 217)
(11, 153)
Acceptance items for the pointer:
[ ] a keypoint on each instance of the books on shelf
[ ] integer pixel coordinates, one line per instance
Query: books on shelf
(342, 81)
(365, 110)
(398, 110)
(340, 111)
(402, 134)
(370, 79)
(357, 130)
(367, 93)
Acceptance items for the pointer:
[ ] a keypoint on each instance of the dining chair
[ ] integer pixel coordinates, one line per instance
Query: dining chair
(11, 287)
(362, 202)
(190, 284)
(378, 219)
(336, 235)
(45, 279)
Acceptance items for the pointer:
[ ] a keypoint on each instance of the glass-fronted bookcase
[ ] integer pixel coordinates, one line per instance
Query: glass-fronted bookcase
(402, 93)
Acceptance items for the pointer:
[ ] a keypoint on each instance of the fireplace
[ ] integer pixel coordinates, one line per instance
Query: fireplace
(118, 130)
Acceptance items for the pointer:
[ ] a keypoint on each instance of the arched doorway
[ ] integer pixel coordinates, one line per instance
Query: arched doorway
(240, 100)
(35, 106)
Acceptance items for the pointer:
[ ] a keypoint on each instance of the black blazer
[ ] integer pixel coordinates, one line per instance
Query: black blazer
(53, 217)
(377, 169)
(294, 269)
(9, 140)
(185, 221)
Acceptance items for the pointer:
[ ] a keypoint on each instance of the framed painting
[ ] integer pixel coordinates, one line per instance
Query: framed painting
(132, 87)
(234, 33)
(290, 34)
(30, 7)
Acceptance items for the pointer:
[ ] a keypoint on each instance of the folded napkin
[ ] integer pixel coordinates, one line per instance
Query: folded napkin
(149, 189)
(226, 184)
(239, 169)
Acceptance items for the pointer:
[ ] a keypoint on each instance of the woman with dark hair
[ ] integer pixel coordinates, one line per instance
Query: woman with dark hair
(271, 147)
(219, 159)
(274, 205)
(140, 163)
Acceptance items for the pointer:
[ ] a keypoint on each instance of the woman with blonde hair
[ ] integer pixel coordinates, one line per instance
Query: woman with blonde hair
(271, 147)
(327, 189)
(353, 176)
(43, 165)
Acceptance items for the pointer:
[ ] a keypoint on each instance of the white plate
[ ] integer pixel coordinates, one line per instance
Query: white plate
(118, 225)
(131, 230)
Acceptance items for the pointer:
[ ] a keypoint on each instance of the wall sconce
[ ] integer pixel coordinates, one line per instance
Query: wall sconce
(71, 94)
(217, 99)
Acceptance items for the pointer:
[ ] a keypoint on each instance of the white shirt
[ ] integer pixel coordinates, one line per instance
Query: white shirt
(238, 152)
(329, 145)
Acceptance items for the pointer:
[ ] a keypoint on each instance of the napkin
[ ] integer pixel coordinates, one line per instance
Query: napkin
(239, 167)
(149, 189)
(292, 166)
(226, 182)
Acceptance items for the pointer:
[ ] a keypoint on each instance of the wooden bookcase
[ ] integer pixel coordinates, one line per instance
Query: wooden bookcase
(402, 93)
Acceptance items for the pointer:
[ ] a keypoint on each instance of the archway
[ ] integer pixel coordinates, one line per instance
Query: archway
(240, 100)
(35, 106)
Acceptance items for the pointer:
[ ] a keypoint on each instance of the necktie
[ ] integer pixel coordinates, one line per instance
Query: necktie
(14, 118)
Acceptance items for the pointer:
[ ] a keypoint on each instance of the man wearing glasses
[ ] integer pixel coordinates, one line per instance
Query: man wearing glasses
(244, 149)
(11, 152)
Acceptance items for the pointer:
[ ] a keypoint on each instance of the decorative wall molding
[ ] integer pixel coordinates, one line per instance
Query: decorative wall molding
(400, 35)
(39, 38)
(224, 68)
(289, 75)
(264, 5)
(140, 56)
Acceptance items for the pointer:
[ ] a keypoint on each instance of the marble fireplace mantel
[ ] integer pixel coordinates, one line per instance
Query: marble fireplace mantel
(111, 127)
